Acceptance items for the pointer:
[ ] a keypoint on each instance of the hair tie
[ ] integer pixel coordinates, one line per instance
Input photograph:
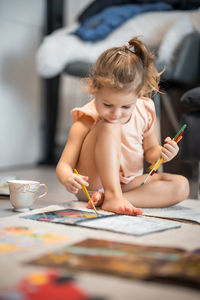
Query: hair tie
(129, 47)
(122, 53)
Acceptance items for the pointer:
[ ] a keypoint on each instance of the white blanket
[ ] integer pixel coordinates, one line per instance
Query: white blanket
(161, 31)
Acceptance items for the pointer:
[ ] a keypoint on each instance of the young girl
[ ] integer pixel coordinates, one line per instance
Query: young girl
(112, 134)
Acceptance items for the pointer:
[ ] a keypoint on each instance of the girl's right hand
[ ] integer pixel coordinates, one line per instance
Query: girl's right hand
(73, 183)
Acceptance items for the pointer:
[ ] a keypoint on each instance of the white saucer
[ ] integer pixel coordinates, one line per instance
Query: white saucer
(21, 209)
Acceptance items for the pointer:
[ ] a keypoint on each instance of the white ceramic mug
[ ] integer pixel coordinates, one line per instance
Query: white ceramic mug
(24, 193)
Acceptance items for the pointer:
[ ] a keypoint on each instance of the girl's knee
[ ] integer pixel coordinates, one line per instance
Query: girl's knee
(108, 141)
(181, 188)
(109, 129)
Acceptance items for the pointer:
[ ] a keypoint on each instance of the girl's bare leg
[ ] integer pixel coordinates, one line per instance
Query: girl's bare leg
(105, 142)
(161, 191)
(108, 146)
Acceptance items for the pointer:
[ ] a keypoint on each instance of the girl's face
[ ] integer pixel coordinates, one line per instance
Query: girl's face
(115, 106)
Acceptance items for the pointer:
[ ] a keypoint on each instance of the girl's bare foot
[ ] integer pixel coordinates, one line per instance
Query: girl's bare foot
(97, 199)
(118, 206)
(121, 206)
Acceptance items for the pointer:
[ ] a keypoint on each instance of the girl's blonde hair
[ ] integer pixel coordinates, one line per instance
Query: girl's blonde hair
(127, 68)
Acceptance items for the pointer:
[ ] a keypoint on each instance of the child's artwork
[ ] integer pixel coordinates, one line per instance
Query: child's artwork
(176, 212)
(118, 223)
(19, 238)
(65, 216)
(128, 260)
(132, 225)
(46, 285)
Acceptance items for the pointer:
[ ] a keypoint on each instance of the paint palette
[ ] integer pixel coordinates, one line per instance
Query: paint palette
(166, 264)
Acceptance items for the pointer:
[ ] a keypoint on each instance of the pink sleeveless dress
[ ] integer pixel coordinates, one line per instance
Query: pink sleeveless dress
(140, 125)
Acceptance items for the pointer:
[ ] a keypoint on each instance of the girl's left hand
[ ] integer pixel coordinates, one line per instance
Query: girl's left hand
(169, 149)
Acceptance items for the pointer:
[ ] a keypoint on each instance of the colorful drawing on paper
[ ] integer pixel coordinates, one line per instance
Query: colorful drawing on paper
(65, 216)
(19, 237)
(46, 285)
(116, 223)
(128, 260)
(137, 226)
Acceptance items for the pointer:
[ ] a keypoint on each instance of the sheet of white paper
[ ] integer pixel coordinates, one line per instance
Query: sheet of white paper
(174, 212)
(131, 225)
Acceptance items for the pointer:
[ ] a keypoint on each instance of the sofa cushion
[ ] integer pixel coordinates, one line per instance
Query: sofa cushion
(190, 144)
(191, 97)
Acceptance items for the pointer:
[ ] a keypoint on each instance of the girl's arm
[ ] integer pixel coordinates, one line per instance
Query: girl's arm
(152, 150)
(70, 155)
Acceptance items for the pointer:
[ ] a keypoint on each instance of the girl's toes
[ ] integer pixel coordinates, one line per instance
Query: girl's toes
(124, 210)
(89, 205)
(97, 198)
(132, 212)
(129, 210)
(138, 211)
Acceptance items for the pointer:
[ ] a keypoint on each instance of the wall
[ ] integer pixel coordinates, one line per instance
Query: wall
(20, 104)
(72, 92)
(73, 8)
(21, 27)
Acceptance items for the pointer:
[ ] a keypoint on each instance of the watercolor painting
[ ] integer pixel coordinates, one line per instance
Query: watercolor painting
(46, 285)
(174, 265)
(65, 216)
(138, 226)
(15, 238)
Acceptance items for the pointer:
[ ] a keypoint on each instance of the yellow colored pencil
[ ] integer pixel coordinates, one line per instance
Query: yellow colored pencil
(87, 194)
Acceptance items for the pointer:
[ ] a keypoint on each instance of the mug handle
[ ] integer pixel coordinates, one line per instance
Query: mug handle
(44, 194)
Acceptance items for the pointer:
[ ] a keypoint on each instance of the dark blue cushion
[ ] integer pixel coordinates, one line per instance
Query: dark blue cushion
(100, 25)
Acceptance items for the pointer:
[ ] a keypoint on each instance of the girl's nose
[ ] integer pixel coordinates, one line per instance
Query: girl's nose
(116, 113)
